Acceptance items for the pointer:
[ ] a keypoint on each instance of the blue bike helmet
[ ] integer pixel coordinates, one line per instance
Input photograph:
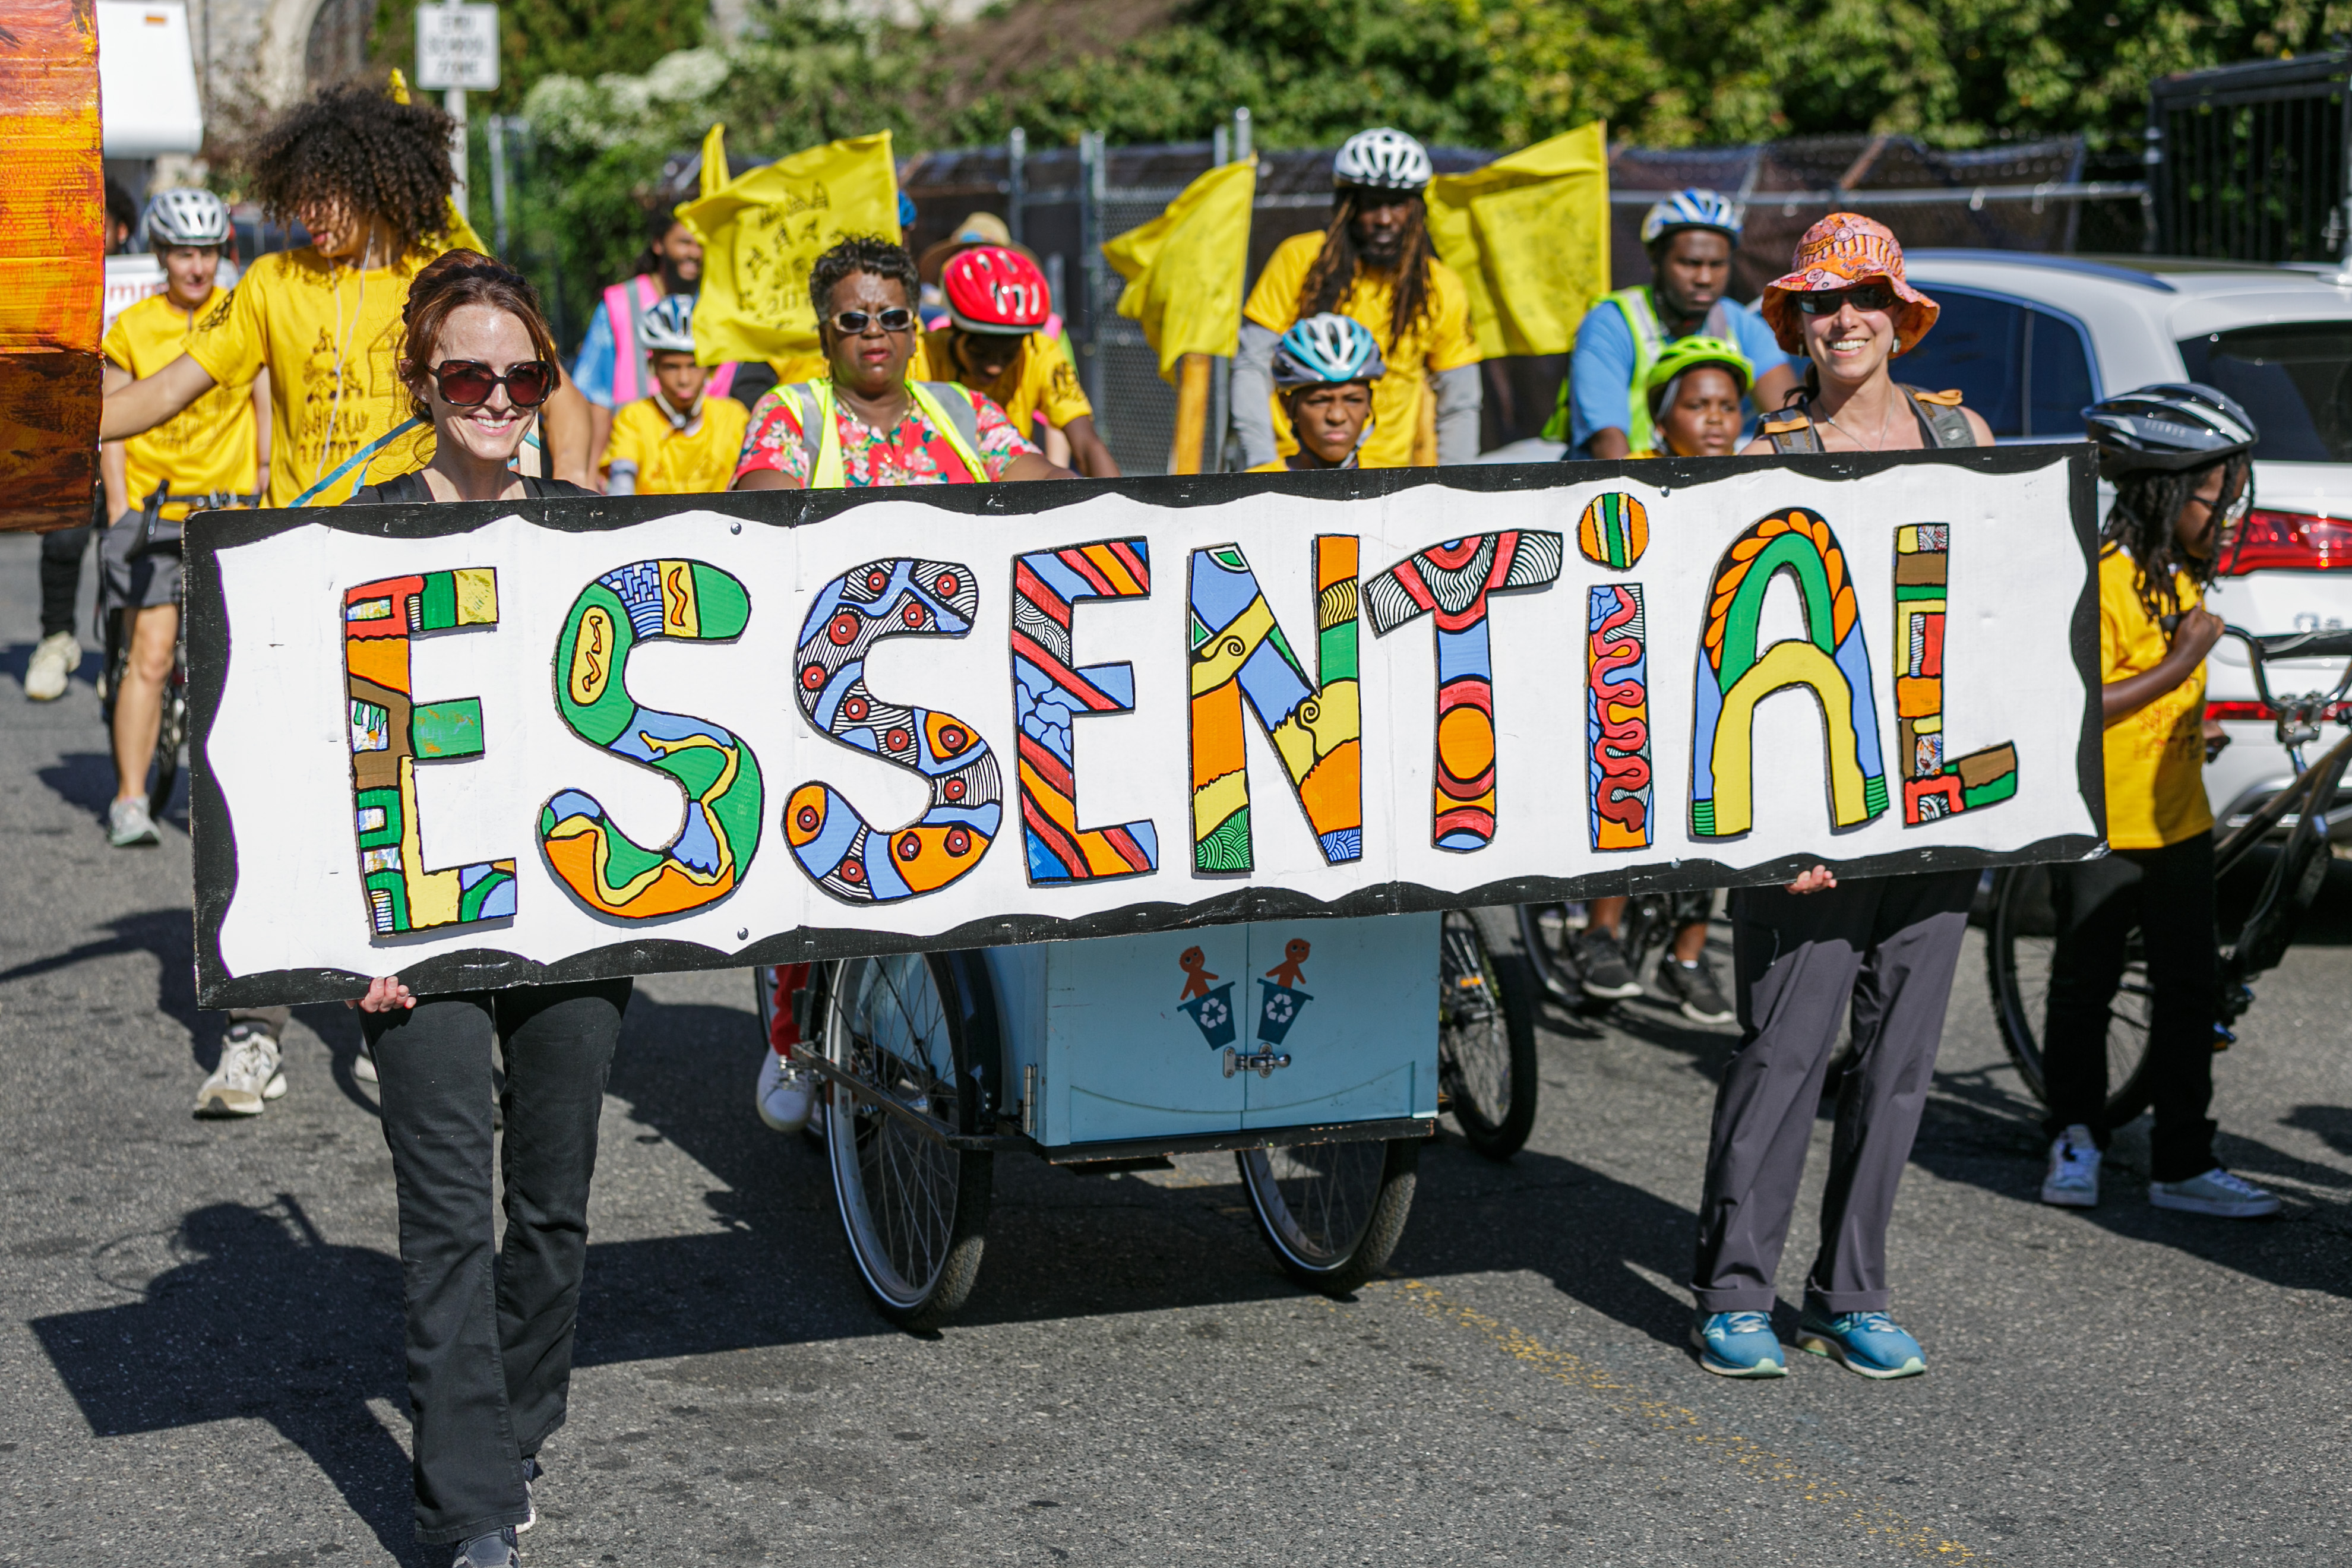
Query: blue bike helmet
(1327, 351)
(668, 326)
(1694, 208)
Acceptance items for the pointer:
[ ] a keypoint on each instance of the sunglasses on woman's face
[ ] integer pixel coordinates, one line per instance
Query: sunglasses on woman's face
(467, 383)
(854, 323)
(1861, 296)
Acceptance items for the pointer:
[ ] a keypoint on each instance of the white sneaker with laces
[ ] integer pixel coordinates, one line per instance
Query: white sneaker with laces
(784, 1094)
(248, 1076)
(2074, 1179)
(54, 657)
(128, 825)
(2216, 1192)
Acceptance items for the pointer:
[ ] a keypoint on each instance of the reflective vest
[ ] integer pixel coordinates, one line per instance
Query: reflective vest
(949, 406)
(1650, 341)
(625, 305)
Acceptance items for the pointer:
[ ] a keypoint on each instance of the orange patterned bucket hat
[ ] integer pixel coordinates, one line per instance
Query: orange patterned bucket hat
(1840, 251)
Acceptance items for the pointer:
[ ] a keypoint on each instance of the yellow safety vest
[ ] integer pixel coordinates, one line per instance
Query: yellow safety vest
(955, 418)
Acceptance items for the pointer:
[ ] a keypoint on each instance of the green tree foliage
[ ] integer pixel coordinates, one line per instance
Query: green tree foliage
(543, 38)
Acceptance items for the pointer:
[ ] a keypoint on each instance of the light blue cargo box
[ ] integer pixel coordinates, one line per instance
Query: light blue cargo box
(1226, 1029)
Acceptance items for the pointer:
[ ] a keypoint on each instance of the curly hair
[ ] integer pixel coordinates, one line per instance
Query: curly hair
(1330, 280)
(456, 279)
(861, 253)
(353, 143)
(2148, 506)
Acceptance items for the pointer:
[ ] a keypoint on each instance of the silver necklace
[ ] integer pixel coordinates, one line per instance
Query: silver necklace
(1884, 420)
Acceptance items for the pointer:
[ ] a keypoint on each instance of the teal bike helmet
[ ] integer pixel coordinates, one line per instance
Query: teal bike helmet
(1327, 351)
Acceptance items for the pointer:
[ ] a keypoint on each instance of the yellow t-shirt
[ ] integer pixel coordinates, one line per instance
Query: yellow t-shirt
(206, 447)
(673, 463)
(1040, 380)
(2156, 757)
(322, 330)
(1440, 340)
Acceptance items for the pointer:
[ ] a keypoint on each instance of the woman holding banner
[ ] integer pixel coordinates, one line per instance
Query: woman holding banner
(866, 424)
(488, 1328)
(1809, 955)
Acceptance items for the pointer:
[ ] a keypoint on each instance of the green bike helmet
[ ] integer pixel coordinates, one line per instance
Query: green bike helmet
(1686, 354)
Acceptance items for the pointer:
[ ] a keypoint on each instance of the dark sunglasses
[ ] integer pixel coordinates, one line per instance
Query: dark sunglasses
(466, 383)
(853, 323)
(1864, 296)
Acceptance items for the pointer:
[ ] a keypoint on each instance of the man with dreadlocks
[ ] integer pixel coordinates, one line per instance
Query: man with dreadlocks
(368, 175)
(1373, 262)
(2182, 460)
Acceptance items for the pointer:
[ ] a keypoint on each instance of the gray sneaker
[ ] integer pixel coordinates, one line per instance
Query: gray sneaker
(495, 1550)
(54, 658)
(248, 1075)
(1601, 964)
(2217, 1192)
(128, 825)
(1693, 987)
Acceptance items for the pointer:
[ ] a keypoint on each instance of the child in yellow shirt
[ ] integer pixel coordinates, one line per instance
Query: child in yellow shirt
(2182, 458)
(677, 441)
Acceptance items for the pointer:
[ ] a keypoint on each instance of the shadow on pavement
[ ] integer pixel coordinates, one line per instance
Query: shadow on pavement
(168, 934)
(263, 1321)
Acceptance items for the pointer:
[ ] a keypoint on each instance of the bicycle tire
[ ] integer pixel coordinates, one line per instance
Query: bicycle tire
(172, 718)
(893, 1018)
(1554, 967)
(2290, 887)
(1339, 1220)
(1486, 999)
(2020, 935)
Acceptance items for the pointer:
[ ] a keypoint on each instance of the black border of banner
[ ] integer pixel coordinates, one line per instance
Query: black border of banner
(209, 652)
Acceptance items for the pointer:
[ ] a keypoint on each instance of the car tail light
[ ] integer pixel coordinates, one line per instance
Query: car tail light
(2223, 711)
(2290, 539)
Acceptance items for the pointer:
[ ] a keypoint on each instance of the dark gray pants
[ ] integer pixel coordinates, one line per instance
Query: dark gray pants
(1885, 950)
(489, 1340)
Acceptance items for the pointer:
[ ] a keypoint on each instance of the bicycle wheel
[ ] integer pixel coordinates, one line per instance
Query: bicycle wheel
(1550, 950)
(1486, 1032)
(171, 733)
(2019, 941)
(1332, 1212)
(914, 1210)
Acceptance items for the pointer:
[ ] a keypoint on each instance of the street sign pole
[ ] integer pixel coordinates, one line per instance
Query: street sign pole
(455, 101)
(458, 53)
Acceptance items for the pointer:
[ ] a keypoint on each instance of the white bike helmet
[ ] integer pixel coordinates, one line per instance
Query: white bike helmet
(1693, 208)
(668, 326)
(186, 217)
(1381, 159)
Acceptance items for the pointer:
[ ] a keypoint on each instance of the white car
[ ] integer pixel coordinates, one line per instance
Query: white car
(2031, 339)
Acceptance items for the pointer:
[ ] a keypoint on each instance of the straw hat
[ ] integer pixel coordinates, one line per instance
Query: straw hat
(977, 228)
(1840, 251)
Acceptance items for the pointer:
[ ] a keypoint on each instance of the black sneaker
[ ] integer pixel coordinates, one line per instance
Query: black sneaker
(495, 1550)
(1601, 964)
(1693, 987)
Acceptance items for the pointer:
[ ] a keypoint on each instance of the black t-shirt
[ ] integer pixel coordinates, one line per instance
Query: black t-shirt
(410, 489)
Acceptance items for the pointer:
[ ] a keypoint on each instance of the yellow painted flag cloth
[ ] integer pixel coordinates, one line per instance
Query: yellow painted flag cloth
(762, 232)
(1184, 268)
(1529, 235)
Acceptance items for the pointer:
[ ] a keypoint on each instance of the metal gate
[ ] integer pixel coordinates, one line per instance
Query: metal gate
(2248, 162)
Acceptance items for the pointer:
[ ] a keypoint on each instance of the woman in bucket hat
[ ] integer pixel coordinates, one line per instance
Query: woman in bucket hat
(1845, 307)
(1806, 957)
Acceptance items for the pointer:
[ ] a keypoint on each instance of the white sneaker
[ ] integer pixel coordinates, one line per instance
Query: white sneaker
(784, 1094)
(248, 1075)
(2074, 1179)
(2218, 1193)
(128, 825)
(54, 658)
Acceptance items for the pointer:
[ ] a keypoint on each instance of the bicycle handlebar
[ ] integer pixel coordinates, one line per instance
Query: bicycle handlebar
(2333, 643)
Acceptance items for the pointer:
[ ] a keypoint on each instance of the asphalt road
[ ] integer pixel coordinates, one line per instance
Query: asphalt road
(199, 1322)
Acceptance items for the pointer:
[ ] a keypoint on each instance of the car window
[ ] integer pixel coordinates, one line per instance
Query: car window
(2294, 378)
(1977, 345)
(2057, 376)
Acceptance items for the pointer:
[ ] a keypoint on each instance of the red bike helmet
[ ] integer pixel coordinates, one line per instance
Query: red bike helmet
(995, 289)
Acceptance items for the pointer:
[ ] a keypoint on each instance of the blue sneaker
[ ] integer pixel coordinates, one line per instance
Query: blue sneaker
(1866, 1342)
(1737, 1344)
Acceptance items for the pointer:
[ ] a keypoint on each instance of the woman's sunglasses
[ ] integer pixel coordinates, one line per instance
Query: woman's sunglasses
(853, 323)
(466, 383)
(1862, 296)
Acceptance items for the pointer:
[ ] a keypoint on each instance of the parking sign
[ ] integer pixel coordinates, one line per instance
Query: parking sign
(457, 46)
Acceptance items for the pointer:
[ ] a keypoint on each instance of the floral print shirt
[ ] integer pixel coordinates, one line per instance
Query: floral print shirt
(912, 453)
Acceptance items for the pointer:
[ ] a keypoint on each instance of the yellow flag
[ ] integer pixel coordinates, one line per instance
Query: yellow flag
(1529, 235)
(761, 233)
(1184, 268)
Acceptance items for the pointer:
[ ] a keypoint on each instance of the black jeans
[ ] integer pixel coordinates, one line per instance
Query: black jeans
(489, 1340)
(2169, 894)
(1881, 953)
(61, 553)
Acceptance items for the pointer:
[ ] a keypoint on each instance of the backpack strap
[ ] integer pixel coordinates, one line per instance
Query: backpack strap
(1939, 415)
(1790, 430)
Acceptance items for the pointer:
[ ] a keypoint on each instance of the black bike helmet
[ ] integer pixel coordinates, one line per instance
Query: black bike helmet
(2169, 426)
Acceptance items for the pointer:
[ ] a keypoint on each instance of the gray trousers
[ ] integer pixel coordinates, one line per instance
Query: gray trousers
(1883, 951)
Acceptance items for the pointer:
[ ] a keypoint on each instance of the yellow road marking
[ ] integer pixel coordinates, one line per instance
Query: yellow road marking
(1760, 1464)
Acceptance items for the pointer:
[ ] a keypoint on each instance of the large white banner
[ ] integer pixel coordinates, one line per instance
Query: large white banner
(479, 745)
